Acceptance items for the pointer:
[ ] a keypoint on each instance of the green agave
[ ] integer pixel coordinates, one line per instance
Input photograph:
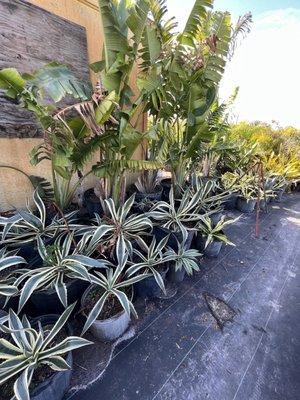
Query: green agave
(29, 348)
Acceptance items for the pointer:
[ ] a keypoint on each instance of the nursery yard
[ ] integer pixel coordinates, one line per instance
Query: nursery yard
(179, 352)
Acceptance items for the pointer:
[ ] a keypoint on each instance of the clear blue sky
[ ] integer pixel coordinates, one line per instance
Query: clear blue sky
(266, 66)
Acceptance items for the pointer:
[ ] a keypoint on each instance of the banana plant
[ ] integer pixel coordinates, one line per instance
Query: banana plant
(192, 64)
(28, 348)
(26, 226)
(61, 263)
(113, 283)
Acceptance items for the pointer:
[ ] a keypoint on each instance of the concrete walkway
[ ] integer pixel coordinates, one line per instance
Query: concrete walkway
(179, 353)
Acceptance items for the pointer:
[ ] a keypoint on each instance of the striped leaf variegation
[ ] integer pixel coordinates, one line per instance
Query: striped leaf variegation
(27, 348)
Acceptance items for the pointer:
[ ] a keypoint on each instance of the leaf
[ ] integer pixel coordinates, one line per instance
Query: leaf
(96, 311)
(59, 325)
(57, 363)
(21, 386)
(11, 80)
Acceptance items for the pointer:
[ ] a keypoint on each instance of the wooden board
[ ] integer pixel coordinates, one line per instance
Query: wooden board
(29, 38)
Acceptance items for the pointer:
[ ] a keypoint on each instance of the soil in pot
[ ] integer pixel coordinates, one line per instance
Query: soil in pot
(148, 287)
(245, 206)
(113, 320)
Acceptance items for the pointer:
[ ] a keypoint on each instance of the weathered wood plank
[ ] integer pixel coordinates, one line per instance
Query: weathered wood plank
(29, 38)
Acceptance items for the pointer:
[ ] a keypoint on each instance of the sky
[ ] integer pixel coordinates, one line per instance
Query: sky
(266, 66)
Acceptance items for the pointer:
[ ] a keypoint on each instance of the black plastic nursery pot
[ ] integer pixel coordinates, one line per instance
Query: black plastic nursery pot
(31, 254)
(230, 202)
(47, 302)
(56, 386)
(213, 249)
(110, 329)
(244, 205)
(175, 276)
(174, 238)
(166, 185)
(92, 203)
(148, 287)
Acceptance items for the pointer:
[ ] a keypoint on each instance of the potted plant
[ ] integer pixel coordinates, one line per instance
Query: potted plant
(148, 186)
(248, 193)
(9, 262)
(107, 303)
(176, 219)
(212, 237)
(150, 260)
(24, 228)
(181, 261)
(61, 280)
(32, 353)
(230, 183)
(117, 224)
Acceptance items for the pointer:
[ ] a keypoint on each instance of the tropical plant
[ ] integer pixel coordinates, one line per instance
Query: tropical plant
(29, 348)
(213, 232)
(190, 65)
(117, 225)
(150, 259)
(26, 226)
(8, 259)
(177, 219)
(113, 284)
(61, 264)
(183, 258)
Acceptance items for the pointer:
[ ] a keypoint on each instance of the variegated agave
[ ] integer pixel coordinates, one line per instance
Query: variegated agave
(150, 258)
(112, 283)
(183, 258)
(177, 219)
(28, 348)
(210, 196)
(7, 260)
(116, 226)
(24, 227)
(61, 264)
(211, 232)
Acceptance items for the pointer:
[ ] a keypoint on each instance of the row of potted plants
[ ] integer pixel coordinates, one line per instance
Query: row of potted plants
(98, 267)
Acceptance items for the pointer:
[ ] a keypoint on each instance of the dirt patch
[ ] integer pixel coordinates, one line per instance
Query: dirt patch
(220, 310)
